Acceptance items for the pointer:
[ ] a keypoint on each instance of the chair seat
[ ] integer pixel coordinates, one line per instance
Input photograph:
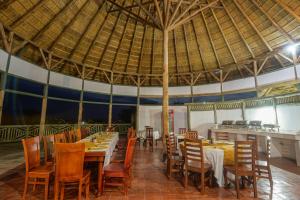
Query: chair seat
(115, 170)
(42, 171)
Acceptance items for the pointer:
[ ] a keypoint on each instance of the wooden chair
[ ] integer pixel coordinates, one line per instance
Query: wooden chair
(194, 162)
(262, 167)
(253, 138)
(84, 132)
(78, 135)
(71, 136)
(149, 138)
(60, 138)
(36, 174)
(244, 165)
(120, 170)
(182, 131)
(174, 162)
(69, 169)
(222, 136)
(48, 142)
(191, 135)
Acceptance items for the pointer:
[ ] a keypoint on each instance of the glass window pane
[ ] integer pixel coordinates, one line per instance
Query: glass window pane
(237, 96)
(65, 93)
(123, 114)
(96, 97)
(59, 112)
(179, 100)
(23, 85)
(124, 99)
(21, 109)
(207, 98)
(95, 113)
(151, 101)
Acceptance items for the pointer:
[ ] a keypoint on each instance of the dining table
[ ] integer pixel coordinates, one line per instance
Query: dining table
(217, 155)
(99, 148)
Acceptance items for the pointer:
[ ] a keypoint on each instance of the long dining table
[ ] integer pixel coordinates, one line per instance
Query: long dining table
(99, 148)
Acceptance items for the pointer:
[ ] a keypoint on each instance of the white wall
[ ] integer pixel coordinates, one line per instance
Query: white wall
(234, 114)
(265, 114)
(151, 116)
(289, 117)
(201, 121)
(3, 60)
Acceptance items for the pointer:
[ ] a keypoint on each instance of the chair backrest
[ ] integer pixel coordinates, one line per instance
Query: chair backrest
(71, 136)
(129, 153)
(69, 159)
(253, 138)
(60, 138)
(244, 156)
(48, 147)
(182, 131)
(84, 132)
(129, 132)
(31, 148)
(193, 153)
(149, 132)
(78, 134)
(170, 144)
(268, 151)
(222, 136)
(191, 135)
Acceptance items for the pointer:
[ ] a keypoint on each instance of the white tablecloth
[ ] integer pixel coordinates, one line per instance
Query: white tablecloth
(111, 146)
(215, 157)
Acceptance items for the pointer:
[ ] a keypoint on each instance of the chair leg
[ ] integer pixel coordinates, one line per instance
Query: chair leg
(46, 188)
(225, 178)
(202, 183)
(237, 186)
(87, 189)
(34, 185)
(25, 187)
(255, 186)
(62, 192)
(80, 191)
(56, 190)
(125, 186)
(185, 178)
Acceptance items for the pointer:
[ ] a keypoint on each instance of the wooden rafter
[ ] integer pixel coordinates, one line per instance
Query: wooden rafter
(87, 28)
(130, 7)
(149, 14)
(290, 38)
(175, 53)
(109, 38)
(152, 53)
(187, 48)
(67, 26)
(288, 9)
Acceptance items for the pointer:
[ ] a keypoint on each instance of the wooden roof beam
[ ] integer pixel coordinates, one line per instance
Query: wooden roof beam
(187, 49)
(130, 7)
(87, 28)
(288, 9)
(290, 38)
(238, 30)
(152, 54)
(66, 27)
(175, 53)
(252, 25)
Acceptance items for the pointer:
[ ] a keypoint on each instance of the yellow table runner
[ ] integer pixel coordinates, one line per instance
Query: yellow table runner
(228, 152)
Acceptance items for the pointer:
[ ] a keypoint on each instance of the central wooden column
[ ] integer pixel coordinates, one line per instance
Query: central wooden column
(165, 107)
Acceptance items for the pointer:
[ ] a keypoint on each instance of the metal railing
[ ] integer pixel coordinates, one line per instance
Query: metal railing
(15, 133)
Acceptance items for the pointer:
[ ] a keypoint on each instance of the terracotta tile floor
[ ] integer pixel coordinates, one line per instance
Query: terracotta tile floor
(150, 183)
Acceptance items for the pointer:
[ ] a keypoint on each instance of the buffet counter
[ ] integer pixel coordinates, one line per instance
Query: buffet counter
(284, 143)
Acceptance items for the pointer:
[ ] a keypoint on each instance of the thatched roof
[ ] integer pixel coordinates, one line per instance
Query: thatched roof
(229, 35)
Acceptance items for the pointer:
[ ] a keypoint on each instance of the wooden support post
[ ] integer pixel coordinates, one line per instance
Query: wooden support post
(295, 61)
(189, 117)
(215, 114)
(255, 76)
(275, 110)
(243, 110)
(110, 100)
(137, 121)
(44, 106)
(192, 91)
(81, 99)
(8, 47)
(165, 107)
(221, 82)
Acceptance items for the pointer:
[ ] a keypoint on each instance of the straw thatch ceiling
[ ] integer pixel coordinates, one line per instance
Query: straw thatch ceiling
(229, 35)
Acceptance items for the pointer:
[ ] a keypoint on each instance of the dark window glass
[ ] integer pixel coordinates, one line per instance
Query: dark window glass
(123, 114)
(95, 113)
(152, 101)
(21, 109)
(124, 99)
(91, 96)
(60, 112)
(207, 98)
(180, 100)
(23, 85)
(237, 96)
(65, 93)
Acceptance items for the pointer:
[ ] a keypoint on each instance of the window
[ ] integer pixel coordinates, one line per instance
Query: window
(21, 109)
(207, 98)
(91, 96)
(23, 85)
(180, 100)
(237, 96)
(95, 113)
(61, 112)
(65, 93)
(123, 114)
(124, 99)
(151, 101)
